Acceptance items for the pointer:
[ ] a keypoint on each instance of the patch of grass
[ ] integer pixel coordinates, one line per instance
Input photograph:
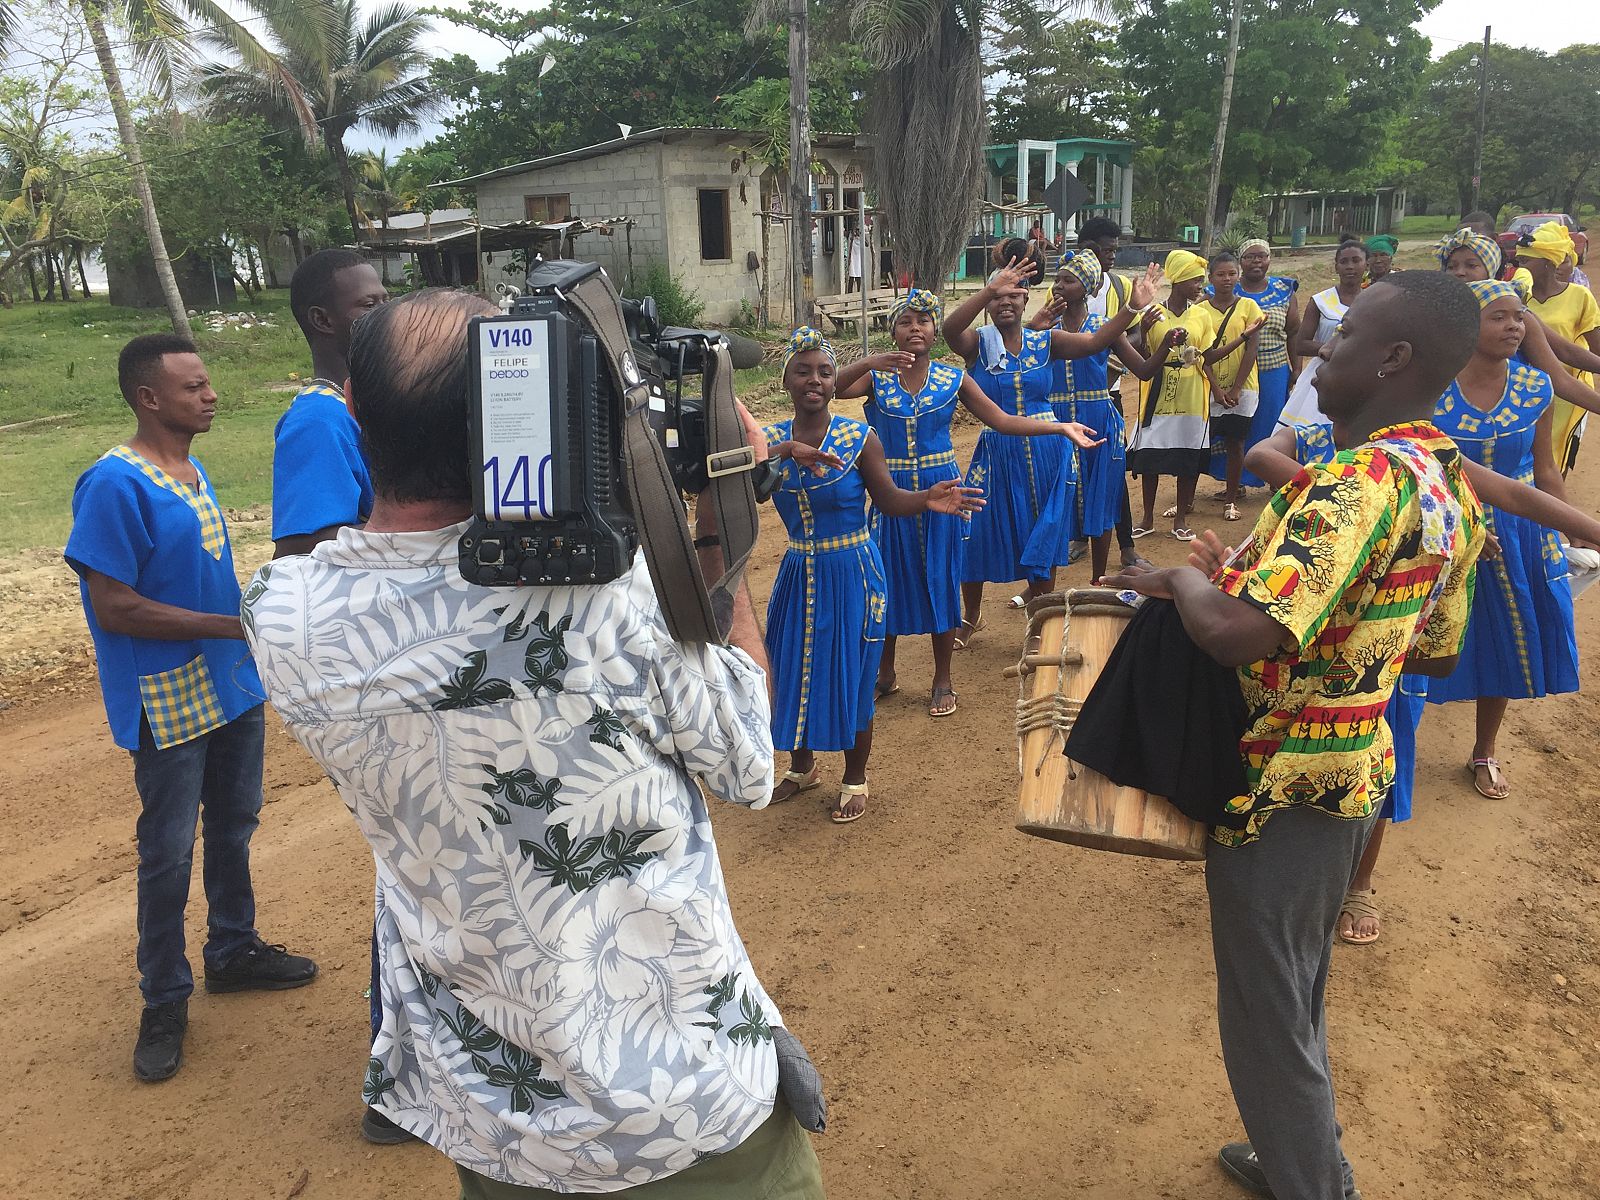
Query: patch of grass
(61, 360)
(1417, 227)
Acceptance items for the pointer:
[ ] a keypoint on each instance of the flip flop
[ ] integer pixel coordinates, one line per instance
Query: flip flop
(883, 693)
(1076, 551)
(1356, 906)
(1140, 560)
(1497, 778)
(1170, 512)
(1017, 602)
(1230, 512)
(1183, 534)
(933, 702)
(1140, 531)
(848, 791)
(968, 632)
(806, 779)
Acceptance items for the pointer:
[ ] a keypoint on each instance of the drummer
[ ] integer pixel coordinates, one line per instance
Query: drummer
(1341, 587)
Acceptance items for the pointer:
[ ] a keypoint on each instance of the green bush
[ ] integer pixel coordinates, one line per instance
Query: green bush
(676, 303)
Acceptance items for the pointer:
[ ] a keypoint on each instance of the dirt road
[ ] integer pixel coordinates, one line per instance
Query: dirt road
(995, 1016)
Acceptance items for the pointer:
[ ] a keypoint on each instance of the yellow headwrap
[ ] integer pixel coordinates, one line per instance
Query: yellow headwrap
(803, 339)
(916, 300)
(1182, 266)
(1551, 242)
(1489, 290)
(1083, 266)
(1488, 253)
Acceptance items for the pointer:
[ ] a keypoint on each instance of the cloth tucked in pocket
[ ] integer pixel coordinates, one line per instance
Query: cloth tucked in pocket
(798, 1081)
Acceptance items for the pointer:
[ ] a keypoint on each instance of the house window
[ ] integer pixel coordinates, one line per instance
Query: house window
(716, 235)
(548, 210)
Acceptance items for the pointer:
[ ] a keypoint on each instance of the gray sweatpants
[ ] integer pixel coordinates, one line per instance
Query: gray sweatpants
(1274, 905)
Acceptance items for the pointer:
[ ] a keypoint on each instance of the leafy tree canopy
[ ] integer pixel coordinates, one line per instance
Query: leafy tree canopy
(1062, 78)
(643, 63)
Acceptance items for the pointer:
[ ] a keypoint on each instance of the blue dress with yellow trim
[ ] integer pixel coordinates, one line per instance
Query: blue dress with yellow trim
(921, 554)
(1025, 529)
(1520, 641)
(825, 621)
(1079, 391)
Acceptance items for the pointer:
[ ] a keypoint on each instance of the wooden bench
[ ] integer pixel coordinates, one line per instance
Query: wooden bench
(844, 310)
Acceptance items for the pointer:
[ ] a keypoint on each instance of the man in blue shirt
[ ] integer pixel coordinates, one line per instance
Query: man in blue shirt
(181, 691)
(320, 481)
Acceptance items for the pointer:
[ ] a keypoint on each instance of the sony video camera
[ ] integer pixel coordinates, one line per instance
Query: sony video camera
(550, 492)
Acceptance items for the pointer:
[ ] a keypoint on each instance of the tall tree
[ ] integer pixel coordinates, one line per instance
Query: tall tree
(928, 121)
(338, 73)
(1058, 76)
(1317, 84)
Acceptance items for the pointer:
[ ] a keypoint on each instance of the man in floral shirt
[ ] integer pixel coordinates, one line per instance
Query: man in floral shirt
(567, 1006)
(1357, 571)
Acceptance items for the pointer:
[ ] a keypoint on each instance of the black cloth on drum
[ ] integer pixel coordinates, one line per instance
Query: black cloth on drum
(1167, 718)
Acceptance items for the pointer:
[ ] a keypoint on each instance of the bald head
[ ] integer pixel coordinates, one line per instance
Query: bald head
(410, 388)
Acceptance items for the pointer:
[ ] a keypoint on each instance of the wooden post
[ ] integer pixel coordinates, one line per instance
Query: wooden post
(866, 251)
(801, 286)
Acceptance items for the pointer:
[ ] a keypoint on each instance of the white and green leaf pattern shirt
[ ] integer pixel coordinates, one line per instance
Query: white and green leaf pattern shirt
(566, 1002)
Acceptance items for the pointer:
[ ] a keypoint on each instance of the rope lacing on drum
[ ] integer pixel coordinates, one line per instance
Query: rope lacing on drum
(1057, 712)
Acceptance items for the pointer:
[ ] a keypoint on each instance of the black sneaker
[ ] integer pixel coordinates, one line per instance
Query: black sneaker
(158, 1053)
(263, 968)
(1241, 1163)
(381, 1131)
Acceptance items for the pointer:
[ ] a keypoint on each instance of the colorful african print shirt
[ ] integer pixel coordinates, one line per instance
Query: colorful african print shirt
(1366, 561)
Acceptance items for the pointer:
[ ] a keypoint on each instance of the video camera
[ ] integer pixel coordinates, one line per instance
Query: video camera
(551, 496)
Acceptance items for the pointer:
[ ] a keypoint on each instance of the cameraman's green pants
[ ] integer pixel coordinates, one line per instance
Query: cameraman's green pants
(776, 1162)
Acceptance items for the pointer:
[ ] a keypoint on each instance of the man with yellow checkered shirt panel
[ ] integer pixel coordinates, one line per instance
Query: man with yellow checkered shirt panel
(181, 691)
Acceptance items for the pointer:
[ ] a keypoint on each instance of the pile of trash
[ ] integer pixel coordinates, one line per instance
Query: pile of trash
(217, 322)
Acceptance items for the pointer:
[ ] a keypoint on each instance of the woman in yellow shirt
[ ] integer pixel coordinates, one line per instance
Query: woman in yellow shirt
(1172, 436)
(1237, 390)
(1567, 310)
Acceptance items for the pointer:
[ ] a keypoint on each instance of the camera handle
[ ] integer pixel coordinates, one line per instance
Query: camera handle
(693, 612)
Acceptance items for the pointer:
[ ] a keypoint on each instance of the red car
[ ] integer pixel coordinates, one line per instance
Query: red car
(1528, 222)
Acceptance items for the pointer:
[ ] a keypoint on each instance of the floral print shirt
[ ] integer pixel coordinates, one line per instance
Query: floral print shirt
(566, 1002)
(1366, 561)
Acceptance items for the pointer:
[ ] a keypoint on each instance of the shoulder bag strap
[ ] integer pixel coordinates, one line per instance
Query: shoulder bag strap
(692, 613)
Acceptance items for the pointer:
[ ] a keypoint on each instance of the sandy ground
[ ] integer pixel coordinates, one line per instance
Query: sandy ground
(995, 1016)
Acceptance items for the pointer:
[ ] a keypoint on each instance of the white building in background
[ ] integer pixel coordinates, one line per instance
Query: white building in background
(695, 200)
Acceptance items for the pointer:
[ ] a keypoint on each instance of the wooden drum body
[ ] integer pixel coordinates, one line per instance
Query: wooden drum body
(1063, 800)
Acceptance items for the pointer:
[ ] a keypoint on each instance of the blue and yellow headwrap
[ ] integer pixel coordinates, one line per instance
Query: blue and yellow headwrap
(1485, 248)
(916, 300)
(1551, 242)
(803, 339)
(1182, 266)
(1083, 266)
(1489, 290)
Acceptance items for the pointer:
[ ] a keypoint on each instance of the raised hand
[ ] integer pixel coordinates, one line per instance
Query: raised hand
(1254, 326)
(891, 360)
(949, 496)
(1144, 288)
(1081, 435)
(812, 458)
(1017, 273)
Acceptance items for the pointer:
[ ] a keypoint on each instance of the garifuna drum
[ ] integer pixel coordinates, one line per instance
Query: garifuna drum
(1060, 799)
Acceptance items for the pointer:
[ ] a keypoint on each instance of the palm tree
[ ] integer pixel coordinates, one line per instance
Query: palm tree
(339, 72)
(380, 189)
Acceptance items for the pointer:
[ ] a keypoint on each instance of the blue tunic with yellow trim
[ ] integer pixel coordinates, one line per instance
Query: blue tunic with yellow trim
(825, 621)
(1079, 392)
(1520, 642)
(1025, 529)
(921, 554)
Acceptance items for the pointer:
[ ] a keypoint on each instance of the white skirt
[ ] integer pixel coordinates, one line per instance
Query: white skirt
(1302, 408)
(1248, 399)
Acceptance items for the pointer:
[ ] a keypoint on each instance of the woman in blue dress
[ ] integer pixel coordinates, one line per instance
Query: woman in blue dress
(1026, 529)
(825, 621)
(910, 403)
(1080, 393)
(1520, 642)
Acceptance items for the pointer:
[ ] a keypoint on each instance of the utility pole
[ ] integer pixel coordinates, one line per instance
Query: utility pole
(1483, 111)
(1220, 144)
(801, 286)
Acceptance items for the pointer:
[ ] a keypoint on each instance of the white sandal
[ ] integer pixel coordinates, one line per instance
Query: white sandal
(807, 781)
(847, 791)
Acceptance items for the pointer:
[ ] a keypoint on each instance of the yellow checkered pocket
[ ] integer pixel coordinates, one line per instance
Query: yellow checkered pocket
(181, 704)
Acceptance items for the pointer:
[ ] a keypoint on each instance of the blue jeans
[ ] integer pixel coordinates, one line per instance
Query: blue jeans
(217, 774)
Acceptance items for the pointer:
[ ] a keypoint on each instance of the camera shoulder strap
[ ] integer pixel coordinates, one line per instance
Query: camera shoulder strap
(693, 614)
